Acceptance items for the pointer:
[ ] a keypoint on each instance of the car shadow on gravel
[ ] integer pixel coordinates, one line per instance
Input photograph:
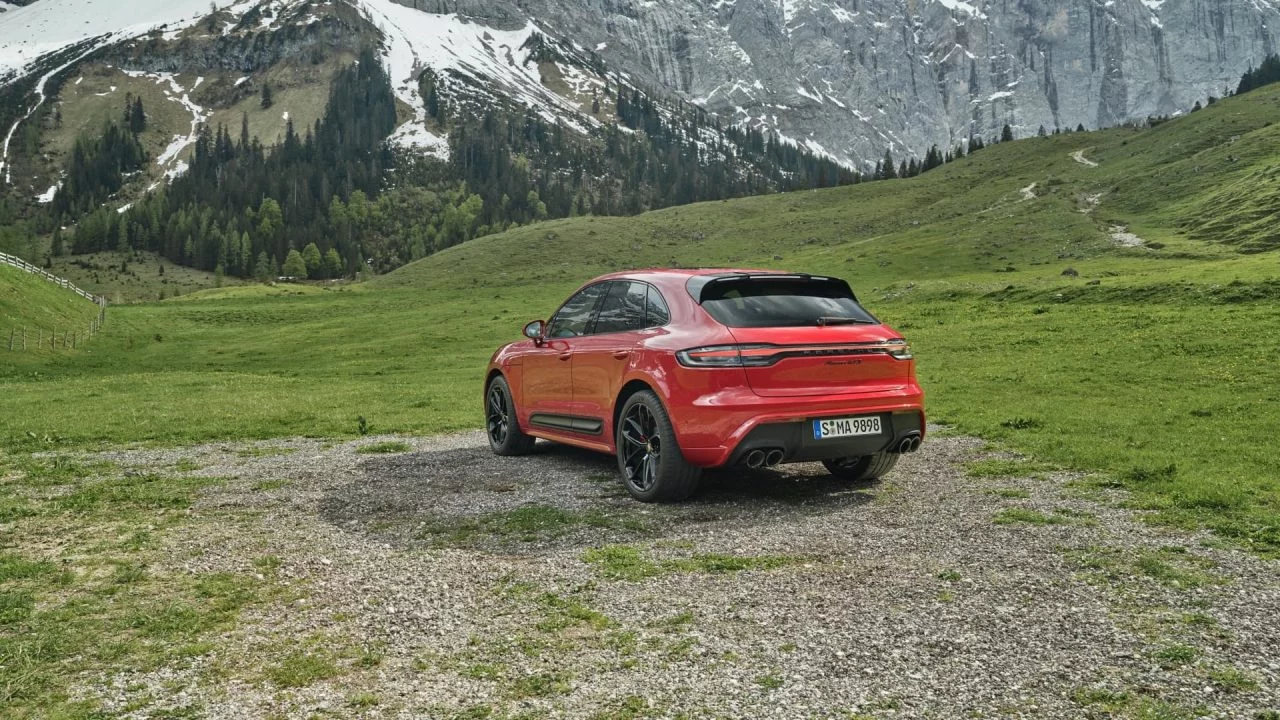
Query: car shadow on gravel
(560, 496)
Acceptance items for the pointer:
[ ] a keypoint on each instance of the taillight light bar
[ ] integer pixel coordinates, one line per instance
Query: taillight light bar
(763, 355)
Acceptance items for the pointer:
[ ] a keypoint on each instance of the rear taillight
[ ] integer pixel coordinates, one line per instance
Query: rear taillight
(897, 348)
(763, 355)
(728, 356)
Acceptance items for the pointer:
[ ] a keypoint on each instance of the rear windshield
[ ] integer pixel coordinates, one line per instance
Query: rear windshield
(782, 302)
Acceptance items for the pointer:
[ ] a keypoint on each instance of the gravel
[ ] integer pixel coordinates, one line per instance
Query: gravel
(438, 592)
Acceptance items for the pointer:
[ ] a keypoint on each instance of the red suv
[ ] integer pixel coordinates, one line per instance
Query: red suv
(674, 371)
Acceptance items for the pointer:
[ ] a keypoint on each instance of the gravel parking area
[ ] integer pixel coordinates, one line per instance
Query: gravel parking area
(439, 581)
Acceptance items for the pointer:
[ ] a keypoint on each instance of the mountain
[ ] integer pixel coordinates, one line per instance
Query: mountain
(122, 134)
(509, 112)
(856, 77)
(846, 78)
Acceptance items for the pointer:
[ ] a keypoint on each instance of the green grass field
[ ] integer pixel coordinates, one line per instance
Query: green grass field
(31, 305)
(1151, 366)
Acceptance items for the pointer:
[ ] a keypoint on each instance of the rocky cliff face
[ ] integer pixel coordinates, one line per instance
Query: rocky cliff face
(854, 77)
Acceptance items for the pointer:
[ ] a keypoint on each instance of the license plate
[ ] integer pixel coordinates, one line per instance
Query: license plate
(846, 427)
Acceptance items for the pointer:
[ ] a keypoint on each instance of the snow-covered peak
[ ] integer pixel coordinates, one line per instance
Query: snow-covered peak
(26, 33)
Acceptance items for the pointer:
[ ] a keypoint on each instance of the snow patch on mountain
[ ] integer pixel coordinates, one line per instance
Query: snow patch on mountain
(176, 93)
(27, 33)
(966, 8)
(416, 40)
(46, 197)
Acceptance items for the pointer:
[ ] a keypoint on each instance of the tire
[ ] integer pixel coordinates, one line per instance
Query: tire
(500, 423)
(866, 467)
(652, 471)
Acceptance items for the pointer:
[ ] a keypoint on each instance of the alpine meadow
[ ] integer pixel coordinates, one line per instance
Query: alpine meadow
(273, 442)
(1038, 326)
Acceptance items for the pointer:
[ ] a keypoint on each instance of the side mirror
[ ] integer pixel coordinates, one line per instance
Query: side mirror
(533, 331)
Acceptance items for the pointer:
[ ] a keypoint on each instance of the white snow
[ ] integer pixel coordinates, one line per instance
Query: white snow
(47, 195)
(48, 25)
(800, 89)
(414, 135)
(39, 91)
(843, 15)
(416, 39)
(285, 116)
(968, 9)
(178, 94)
(242, 81)
(601, 46)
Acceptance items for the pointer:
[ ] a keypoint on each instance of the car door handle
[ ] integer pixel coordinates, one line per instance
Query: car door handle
(622, 354)
(566, 355)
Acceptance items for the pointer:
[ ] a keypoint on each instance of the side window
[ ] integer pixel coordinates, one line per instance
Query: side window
(574, 317)
(623, 308)
(656, 313)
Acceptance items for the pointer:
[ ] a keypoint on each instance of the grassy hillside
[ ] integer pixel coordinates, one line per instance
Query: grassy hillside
(33, 303)
(145, 276)
(1103, 301)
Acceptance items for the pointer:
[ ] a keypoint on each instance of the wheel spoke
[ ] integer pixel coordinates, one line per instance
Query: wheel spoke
(497, 416)
(638, 434)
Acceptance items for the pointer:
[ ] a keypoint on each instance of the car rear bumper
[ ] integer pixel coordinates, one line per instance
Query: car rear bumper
(721, 429)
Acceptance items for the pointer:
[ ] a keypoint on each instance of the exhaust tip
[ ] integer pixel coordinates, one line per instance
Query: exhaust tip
(773, 458)
(755, 459)
(909, 444)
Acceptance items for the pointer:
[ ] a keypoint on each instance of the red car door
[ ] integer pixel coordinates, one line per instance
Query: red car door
(601, 358)
(547, 369)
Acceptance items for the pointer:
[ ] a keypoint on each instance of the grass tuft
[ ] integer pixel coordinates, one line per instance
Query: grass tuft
(383, 448)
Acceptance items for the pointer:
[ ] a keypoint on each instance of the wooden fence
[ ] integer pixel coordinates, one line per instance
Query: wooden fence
(40, 338)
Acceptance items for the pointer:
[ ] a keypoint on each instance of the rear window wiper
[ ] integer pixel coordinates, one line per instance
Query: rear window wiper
(825, 320)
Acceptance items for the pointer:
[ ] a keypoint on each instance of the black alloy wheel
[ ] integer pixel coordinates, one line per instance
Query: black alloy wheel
(505, 437)
(652, 466)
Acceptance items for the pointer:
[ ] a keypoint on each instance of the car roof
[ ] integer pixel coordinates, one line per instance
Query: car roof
(683, 273)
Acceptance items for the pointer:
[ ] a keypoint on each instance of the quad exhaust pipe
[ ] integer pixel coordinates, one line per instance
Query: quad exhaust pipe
(909, 444)
(759, 458)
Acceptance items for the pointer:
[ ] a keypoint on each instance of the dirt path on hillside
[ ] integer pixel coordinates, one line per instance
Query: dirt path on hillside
(1079, 157)
(445, 582)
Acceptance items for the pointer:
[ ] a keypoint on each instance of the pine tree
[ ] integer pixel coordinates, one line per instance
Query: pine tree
(887, 171)
(267, 100)
(294, 265)
(262, 268)
(313, 260)
(137, 117)
(333, 264)
(1006, 134)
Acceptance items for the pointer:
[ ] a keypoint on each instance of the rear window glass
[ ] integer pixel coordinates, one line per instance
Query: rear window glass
(783, 302)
